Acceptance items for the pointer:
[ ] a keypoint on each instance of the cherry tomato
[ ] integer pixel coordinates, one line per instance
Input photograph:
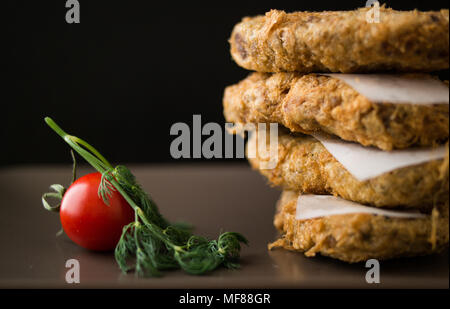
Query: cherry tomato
(87, 220)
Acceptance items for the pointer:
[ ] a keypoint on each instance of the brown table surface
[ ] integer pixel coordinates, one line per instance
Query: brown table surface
(214, 197)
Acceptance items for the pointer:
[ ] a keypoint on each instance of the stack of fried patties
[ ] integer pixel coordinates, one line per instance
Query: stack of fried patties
(362, 153)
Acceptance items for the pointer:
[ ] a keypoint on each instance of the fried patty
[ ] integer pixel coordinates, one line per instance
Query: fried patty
(359, 237)
(342, 41)
(310, 103)
(305, 165)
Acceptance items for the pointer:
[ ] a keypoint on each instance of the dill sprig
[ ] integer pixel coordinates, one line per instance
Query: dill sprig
(151, 244)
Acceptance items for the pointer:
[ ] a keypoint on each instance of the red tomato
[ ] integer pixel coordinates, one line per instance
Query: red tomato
(87, 220)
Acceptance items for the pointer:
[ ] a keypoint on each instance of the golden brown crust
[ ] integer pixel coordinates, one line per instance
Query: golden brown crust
(304, 165)
(359, 237)
(344, 41)
(310, 103)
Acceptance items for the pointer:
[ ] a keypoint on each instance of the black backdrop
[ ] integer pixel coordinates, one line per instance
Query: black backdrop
(125, 74)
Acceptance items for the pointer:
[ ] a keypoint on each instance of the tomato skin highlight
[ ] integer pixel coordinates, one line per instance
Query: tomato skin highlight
(87, 220)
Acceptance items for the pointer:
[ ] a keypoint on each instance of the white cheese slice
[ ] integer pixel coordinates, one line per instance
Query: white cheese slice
(368, 162)
(316, 206)
(391, 88)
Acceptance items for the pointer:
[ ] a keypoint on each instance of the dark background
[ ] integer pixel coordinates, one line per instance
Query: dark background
(125, 74)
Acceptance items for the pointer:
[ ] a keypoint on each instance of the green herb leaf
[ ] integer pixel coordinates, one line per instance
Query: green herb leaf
(151, 244)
